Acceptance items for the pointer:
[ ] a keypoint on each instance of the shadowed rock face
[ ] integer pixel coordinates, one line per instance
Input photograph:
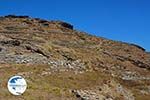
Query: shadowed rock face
(92, 68)
(14, 16)
(66, 25)
(138, 47)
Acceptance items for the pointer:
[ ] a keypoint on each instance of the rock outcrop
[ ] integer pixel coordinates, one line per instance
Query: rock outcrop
(56, 59)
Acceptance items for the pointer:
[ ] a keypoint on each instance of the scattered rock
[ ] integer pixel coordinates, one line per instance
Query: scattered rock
(67, 65)
(126, 93)
(85, 95)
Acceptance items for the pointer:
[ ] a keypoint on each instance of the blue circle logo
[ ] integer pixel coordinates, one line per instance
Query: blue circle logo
(17, 85)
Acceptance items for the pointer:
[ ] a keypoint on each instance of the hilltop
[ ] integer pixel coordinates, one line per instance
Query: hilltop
(60, 62)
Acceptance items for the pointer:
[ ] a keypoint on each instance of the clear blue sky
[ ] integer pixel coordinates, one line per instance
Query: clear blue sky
(122, 20)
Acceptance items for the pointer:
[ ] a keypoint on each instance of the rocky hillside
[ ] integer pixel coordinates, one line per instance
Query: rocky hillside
(60, 63)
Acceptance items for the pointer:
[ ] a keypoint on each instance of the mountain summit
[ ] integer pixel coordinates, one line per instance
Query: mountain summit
(60, 62)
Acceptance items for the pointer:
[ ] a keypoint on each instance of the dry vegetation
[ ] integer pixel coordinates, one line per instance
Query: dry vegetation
(60, 63)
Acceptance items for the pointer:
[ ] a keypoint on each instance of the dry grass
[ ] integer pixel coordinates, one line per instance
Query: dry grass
(56, 85)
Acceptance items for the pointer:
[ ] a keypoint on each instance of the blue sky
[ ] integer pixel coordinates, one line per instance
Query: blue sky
(122, 20)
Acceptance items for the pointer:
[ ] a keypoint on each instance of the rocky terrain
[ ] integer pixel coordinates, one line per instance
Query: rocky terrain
(61, 63)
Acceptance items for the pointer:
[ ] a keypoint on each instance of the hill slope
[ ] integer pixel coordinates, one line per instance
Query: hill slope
(59, 62)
